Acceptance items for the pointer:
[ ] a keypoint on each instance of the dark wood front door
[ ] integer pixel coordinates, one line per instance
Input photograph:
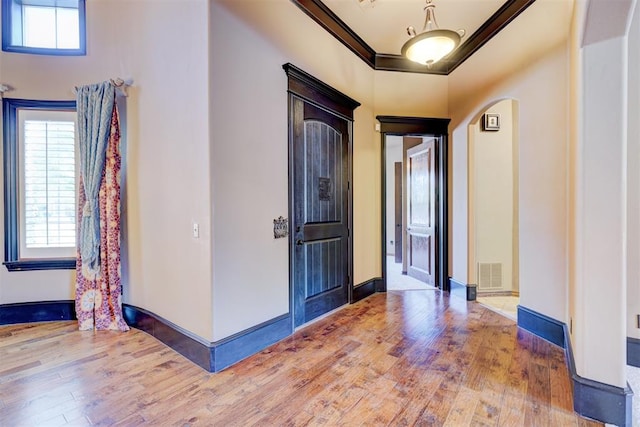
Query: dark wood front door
(421, 212)
(320, 223)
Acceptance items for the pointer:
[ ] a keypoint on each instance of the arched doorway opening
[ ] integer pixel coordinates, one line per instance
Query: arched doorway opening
(493, 206)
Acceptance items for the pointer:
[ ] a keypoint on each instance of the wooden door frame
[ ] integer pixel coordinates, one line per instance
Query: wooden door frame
(397, 205)
(304, 86)
(421, 126)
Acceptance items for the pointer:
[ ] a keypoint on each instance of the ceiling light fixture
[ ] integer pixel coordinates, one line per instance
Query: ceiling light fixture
(432, 44)
(366, 3)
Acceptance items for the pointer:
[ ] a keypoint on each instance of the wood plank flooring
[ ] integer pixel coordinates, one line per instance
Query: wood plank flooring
(398, 359)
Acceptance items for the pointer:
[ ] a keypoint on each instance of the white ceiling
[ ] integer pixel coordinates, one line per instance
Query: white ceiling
(383, 23)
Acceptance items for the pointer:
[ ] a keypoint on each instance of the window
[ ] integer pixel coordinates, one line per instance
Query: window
(40, 179)
(46, 27)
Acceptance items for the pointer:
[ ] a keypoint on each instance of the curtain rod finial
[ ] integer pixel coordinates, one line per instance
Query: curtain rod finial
(122, 84)
(4, 88)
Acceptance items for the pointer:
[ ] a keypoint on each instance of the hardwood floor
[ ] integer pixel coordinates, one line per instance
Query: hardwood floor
(399, 359)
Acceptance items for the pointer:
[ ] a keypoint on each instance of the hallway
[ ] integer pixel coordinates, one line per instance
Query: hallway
(392, 359)
(396, 281)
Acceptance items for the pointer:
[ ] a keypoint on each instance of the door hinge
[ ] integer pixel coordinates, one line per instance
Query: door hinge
(348, 232)
(348, 185)
(348, 279)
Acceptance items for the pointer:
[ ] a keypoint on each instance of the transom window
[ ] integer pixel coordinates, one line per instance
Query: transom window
(49, 27)
(41, 178)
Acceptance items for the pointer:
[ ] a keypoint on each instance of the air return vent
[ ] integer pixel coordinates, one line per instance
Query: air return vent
(489, 275)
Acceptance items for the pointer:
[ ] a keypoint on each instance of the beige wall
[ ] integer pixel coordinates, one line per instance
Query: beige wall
(410, 94)
(166, 150)
(602, 217)
(367, 214)
(249, 133)
(541, 90)
(249, 166)
(491, 188)
(575, 107)
(600, 318)
(207, 143)
(249, 155)
(210, 104)
(633, 179)
(459, 230)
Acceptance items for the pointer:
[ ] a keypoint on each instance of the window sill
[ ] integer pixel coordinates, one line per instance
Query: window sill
(41, 264)
(44, 51)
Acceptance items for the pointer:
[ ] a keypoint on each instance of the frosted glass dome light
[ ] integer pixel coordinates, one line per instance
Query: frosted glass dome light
(432, 44)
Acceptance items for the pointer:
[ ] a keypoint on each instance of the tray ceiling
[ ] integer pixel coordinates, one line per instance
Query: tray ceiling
(376, 30)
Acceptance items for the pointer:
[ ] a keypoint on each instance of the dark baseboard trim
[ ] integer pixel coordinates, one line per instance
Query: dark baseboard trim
(190, 346)
(30, 312)
(381, 284)
(468, 292)
(367, 288)
(591, 399)
(212, 356)
(633, 352)
(543, 326)
(250, 341)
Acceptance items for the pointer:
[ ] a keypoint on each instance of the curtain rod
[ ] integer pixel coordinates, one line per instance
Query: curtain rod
(3, 89)
(118, 83)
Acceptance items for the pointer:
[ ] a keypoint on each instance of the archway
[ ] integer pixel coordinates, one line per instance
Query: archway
(493, 206)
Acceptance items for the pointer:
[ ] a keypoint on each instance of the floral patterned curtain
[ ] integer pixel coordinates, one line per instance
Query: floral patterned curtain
(98, 284)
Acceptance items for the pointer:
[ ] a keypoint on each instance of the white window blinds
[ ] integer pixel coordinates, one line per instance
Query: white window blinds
(49, 184)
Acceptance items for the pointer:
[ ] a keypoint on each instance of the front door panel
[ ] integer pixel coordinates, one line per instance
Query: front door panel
(320, 238)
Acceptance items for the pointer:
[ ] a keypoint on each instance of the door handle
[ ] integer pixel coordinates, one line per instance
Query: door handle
(299, 242)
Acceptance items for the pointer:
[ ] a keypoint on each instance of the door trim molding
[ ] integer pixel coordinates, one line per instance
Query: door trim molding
(317, 92)
(405, 126)
(303, 85)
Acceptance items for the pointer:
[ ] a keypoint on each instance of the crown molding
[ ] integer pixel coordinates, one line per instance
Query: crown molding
(320, 13)
(335, 26)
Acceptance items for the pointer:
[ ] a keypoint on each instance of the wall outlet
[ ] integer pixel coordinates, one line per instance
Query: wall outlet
(196, 230)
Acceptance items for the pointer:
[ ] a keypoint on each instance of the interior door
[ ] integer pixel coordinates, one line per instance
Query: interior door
(320, 211)
(420, 253)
